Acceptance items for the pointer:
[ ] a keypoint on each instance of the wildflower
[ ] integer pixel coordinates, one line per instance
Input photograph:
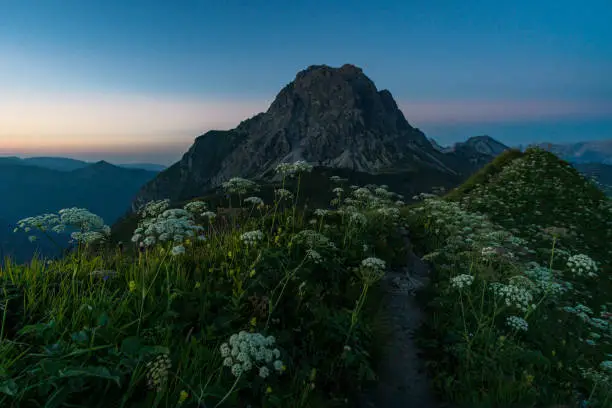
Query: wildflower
(245, 350)
(582, 265)
(154, 208)
(314, 256)
(320, 212)
(462, 281)
(374, 263)
(178, 250)
(253, 200)
(209, 214)
(264, 372)
(517, 323)
(283, 193)
(196, 207)
(239, 185)
(372, 269)
(513, 295)
(157, 371)
(132, 286)
(292, 169)
(183, 396)
(251, 238)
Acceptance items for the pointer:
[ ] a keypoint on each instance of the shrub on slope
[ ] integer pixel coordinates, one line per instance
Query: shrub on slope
(520, 301)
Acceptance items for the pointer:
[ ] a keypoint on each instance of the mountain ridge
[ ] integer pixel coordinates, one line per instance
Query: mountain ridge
(68, 164)
(329, 117)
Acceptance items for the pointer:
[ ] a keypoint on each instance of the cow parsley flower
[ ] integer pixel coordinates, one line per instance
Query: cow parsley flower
(251, 238)
(462, 281)
(292, 169)
(283, 193)
(239, 185)
(513, 295)
(178, 250)
(517, 323)
(245, 351)
(209, 214)
(314, 256)
(582, 265)
(196, 207)
(253, 200)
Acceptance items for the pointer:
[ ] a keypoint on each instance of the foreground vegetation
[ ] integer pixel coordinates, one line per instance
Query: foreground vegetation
(520, 305)
(280, 307)
(280, 310)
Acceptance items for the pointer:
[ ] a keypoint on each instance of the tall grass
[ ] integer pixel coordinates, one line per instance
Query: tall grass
(277, 311)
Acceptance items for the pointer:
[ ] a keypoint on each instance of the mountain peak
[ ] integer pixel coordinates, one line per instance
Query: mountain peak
(483, 144)
(331, 117)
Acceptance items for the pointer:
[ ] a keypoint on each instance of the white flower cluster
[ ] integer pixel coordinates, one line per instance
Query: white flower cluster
(239, 185)
(291, 169)
(44, 222)
(488, 252)
(544, 280)
(81, 219)
(513, 295)
(245, 351)
(320, 212)
(338, 191)
(90, 227)
(357, 218)
(582, 265)
(89, 237)
(371, 270)
(517, 323)
(314, 256)
(171, 225)
(154, 208)
(253, 200)
(283, 193)
(383, 192)
(312, 239)
(424, 196)
(209, 214)
(157, 371)
(374, 263)
(337, 179)
(196, 207)
(362, 193)
(580, 310)
(251, 238)
(462, 281)
(178, 250)
(389, 212)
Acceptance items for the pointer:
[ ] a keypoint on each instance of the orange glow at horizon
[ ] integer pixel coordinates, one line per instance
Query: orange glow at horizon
(51, 122)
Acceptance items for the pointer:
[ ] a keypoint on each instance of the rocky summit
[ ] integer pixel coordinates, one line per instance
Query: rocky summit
(332, 117)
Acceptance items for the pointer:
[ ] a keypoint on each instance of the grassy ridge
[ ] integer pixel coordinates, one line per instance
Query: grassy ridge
(179, 323)
(519, 308)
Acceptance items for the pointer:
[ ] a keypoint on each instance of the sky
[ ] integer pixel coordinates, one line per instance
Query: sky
(137, 81)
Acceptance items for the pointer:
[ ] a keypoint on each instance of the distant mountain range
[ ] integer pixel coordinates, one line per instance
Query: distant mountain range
(599, 151)
(27, 190)
(66, 164)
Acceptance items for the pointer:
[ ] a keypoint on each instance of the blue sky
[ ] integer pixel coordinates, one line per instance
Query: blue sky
(138, 80)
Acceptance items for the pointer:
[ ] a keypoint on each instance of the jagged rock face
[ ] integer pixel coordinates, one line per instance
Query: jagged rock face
(332, 117)
(327, 116)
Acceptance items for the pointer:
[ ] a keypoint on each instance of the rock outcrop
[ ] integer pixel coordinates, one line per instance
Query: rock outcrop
(333, 117)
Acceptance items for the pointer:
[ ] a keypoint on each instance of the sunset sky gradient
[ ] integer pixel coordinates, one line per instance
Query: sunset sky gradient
(139, 80)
